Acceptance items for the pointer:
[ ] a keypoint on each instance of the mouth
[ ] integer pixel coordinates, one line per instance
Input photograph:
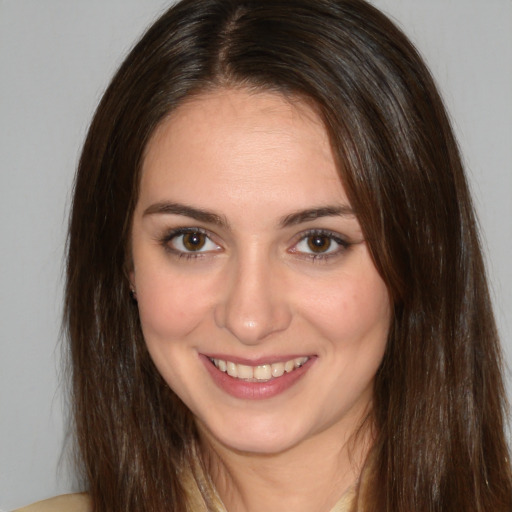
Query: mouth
(261, 372)
(256, 380)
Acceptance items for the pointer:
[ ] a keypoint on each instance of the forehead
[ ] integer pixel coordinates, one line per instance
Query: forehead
(235, 141)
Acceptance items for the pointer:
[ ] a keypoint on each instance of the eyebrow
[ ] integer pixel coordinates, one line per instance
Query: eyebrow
(187, 211)
(209, 217)
(315, 213)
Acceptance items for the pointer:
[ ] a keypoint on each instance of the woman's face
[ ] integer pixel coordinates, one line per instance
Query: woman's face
(258, 299)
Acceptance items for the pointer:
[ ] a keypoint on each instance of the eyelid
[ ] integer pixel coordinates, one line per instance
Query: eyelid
(180, 231)
(333, 236)
(343, 244)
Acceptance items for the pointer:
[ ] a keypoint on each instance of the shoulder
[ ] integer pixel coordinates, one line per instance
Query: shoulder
(64, 503)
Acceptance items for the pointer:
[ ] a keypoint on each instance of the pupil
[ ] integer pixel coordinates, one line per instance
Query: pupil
(193, 241)
(319, 243)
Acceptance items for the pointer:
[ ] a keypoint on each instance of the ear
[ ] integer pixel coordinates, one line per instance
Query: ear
(131, 278)
(129, 272)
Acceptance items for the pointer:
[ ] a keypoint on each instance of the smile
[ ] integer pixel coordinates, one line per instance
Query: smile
(258, 373)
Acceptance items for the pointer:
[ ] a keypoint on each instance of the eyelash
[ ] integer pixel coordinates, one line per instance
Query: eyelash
(301, 238)
(175, 233)
(343, 245)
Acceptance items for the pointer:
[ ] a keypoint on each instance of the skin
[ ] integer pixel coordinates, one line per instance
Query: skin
(257, 291)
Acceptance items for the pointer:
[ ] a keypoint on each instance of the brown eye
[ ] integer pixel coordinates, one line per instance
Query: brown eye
(194, 241)
(319, 243)
(190, 241)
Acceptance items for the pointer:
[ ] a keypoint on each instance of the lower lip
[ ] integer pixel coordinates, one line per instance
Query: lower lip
(255, 390)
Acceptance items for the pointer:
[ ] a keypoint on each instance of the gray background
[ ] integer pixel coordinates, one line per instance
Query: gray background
(56, 57)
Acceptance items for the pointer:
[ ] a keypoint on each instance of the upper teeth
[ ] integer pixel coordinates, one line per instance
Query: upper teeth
(261, 372)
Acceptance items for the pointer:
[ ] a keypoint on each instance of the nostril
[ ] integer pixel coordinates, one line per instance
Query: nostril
(251, 306)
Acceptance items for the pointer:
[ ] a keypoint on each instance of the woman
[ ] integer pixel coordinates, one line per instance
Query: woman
(276, 297)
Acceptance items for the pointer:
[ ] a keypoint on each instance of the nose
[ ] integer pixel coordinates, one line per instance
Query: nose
(253, 304)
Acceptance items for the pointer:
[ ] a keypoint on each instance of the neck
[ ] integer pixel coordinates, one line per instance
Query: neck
(309, 477)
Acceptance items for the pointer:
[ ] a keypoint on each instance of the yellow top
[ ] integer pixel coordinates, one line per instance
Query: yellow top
(64, 503)
(81, 503)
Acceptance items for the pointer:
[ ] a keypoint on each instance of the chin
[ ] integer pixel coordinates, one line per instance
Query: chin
(261, 439)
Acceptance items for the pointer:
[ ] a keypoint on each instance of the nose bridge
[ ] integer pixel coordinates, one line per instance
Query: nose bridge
(254, 304)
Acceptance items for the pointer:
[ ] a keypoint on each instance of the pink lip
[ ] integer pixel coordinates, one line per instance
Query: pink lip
(254, 390)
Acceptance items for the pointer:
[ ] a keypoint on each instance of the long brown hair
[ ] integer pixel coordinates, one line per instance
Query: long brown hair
(439, 408)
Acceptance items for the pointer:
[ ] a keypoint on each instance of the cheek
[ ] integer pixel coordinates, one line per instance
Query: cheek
(171, 305)
(353, 309)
